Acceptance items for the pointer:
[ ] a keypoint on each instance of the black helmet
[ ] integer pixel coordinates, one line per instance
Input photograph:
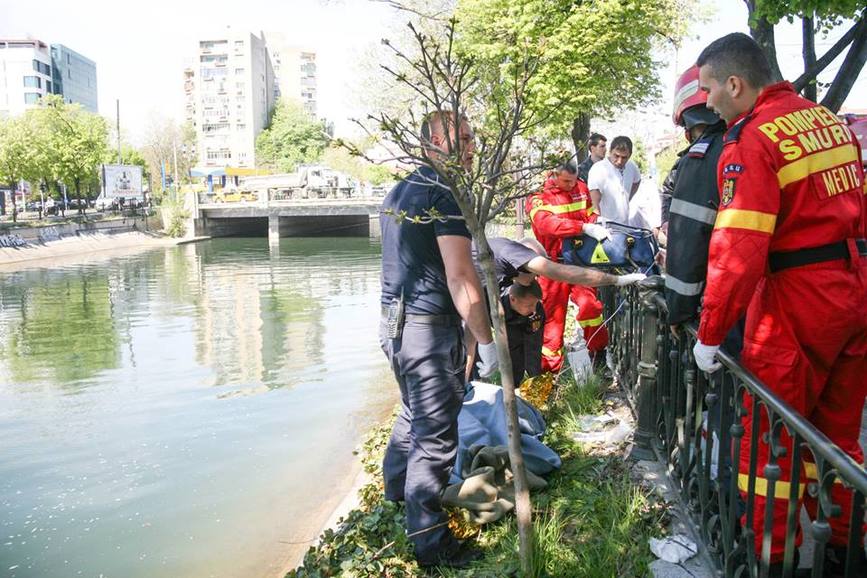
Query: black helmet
(699, 114)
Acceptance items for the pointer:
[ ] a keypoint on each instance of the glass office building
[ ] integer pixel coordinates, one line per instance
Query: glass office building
(74, 76)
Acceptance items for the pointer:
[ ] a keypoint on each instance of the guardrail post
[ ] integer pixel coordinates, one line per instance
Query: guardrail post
(645, 389)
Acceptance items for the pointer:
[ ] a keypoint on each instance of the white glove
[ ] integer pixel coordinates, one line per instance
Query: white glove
(598, 232)
(488, 361)
(630, 279)
(705, 357)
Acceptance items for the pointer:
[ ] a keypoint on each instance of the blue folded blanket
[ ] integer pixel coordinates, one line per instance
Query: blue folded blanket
(482, 421)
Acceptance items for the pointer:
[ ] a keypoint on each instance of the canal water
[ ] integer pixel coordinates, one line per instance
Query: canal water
(185, 412)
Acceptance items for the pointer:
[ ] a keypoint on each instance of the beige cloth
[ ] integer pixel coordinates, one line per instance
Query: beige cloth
(487, 491)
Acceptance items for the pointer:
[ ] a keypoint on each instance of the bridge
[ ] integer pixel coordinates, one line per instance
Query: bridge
(331, 217)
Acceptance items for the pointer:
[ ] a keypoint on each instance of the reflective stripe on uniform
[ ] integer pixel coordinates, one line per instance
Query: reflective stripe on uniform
(781, 489)
(816, 163)
(548, 353)
(596, 321)
(743, 219)
(693, 211)
(557, 209)
(682, 287)
(812, 472)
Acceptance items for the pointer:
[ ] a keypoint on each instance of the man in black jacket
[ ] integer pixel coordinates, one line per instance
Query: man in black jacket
(693, 204)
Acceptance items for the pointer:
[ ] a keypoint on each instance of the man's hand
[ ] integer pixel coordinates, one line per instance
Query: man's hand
(675, 331)
(705, 357)
(630, 279)
(488, 361)
(598, 232)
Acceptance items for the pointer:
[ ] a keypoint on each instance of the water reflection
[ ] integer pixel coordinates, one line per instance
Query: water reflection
(64, 330)
(220, 390)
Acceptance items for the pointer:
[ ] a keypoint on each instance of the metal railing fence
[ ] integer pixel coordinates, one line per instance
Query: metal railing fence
(696, 423)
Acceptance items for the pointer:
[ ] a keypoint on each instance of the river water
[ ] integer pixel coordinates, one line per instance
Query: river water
(184, 412)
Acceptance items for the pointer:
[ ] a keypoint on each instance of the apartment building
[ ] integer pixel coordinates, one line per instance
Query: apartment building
(229, 91)
(231, 87)
(294, 71)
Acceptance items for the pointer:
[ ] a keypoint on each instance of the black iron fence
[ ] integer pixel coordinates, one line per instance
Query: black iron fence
(696, 423)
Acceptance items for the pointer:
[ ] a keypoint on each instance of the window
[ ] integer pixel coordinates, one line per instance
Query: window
(68, 73)
(241, 126)
(48, 86)
(32, 82)
(239, 71)
(218, 155)
(41, 67)
(31, 97)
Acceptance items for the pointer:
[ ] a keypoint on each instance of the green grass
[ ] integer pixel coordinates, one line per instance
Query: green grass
(592, 520)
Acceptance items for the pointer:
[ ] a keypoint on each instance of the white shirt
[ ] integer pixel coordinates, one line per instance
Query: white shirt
(645, 209)
(614, 186)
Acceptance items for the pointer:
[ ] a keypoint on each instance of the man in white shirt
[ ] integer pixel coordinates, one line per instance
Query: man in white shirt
(613, 181)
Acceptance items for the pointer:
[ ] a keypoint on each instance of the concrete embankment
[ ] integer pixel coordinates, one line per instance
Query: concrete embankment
(81, 248)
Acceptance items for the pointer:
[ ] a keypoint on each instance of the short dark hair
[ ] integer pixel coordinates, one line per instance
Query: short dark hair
(569, 167)
(437, 116)
(736, 54)
(621, 142)
(595, 138)
(519, 291)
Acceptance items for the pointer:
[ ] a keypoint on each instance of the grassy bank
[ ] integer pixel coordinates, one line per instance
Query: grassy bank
(591, 521)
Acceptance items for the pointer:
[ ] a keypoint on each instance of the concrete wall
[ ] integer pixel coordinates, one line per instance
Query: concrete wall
(55, 232)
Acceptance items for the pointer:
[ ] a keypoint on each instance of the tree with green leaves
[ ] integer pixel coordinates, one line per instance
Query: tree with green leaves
(80, 142)
(591, 58)
(817, 16)
(293, 137)
(16, 155)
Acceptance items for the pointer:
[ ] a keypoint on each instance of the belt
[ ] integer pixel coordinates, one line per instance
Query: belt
(445, 320)
(830, 252)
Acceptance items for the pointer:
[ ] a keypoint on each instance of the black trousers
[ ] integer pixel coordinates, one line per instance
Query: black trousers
(429, 363)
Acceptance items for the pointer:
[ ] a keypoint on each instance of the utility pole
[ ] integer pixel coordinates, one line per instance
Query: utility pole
(175, 155)
(119, 156)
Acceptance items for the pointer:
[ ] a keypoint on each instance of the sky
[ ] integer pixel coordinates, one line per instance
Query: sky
(141, 48)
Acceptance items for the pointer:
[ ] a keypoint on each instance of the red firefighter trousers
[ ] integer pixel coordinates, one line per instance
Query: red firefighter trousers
(556, 295)
(806, 338)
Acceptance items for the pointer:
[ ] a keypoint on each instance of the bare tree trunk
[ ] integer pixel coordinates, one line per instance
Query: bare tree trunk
(580, 136)
(523, 509)
(14, 188)
(809, 51)
(859, 28)
(848, 74)
(762, 32)
(78, 195)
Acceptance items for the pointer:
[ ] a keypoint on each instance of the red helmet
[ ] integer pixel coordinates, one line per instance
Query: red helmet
(687, 94)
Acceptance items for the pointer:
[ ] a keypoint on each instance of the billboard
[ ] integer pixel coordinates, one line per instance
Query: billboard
(121, 181)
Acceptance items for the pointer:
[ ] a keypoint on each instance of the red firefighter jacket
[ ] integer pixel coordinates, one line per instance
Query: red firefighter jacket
(789, 177)
(556, 214)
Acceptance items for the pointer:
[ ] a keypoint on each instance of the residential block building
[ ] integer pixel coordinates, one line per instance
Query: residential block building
(231, 87)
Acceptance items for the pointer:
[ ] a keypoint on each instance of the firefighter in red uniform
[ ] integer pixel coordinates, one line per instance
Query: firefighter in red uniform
(788, 250)
(563, 209)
